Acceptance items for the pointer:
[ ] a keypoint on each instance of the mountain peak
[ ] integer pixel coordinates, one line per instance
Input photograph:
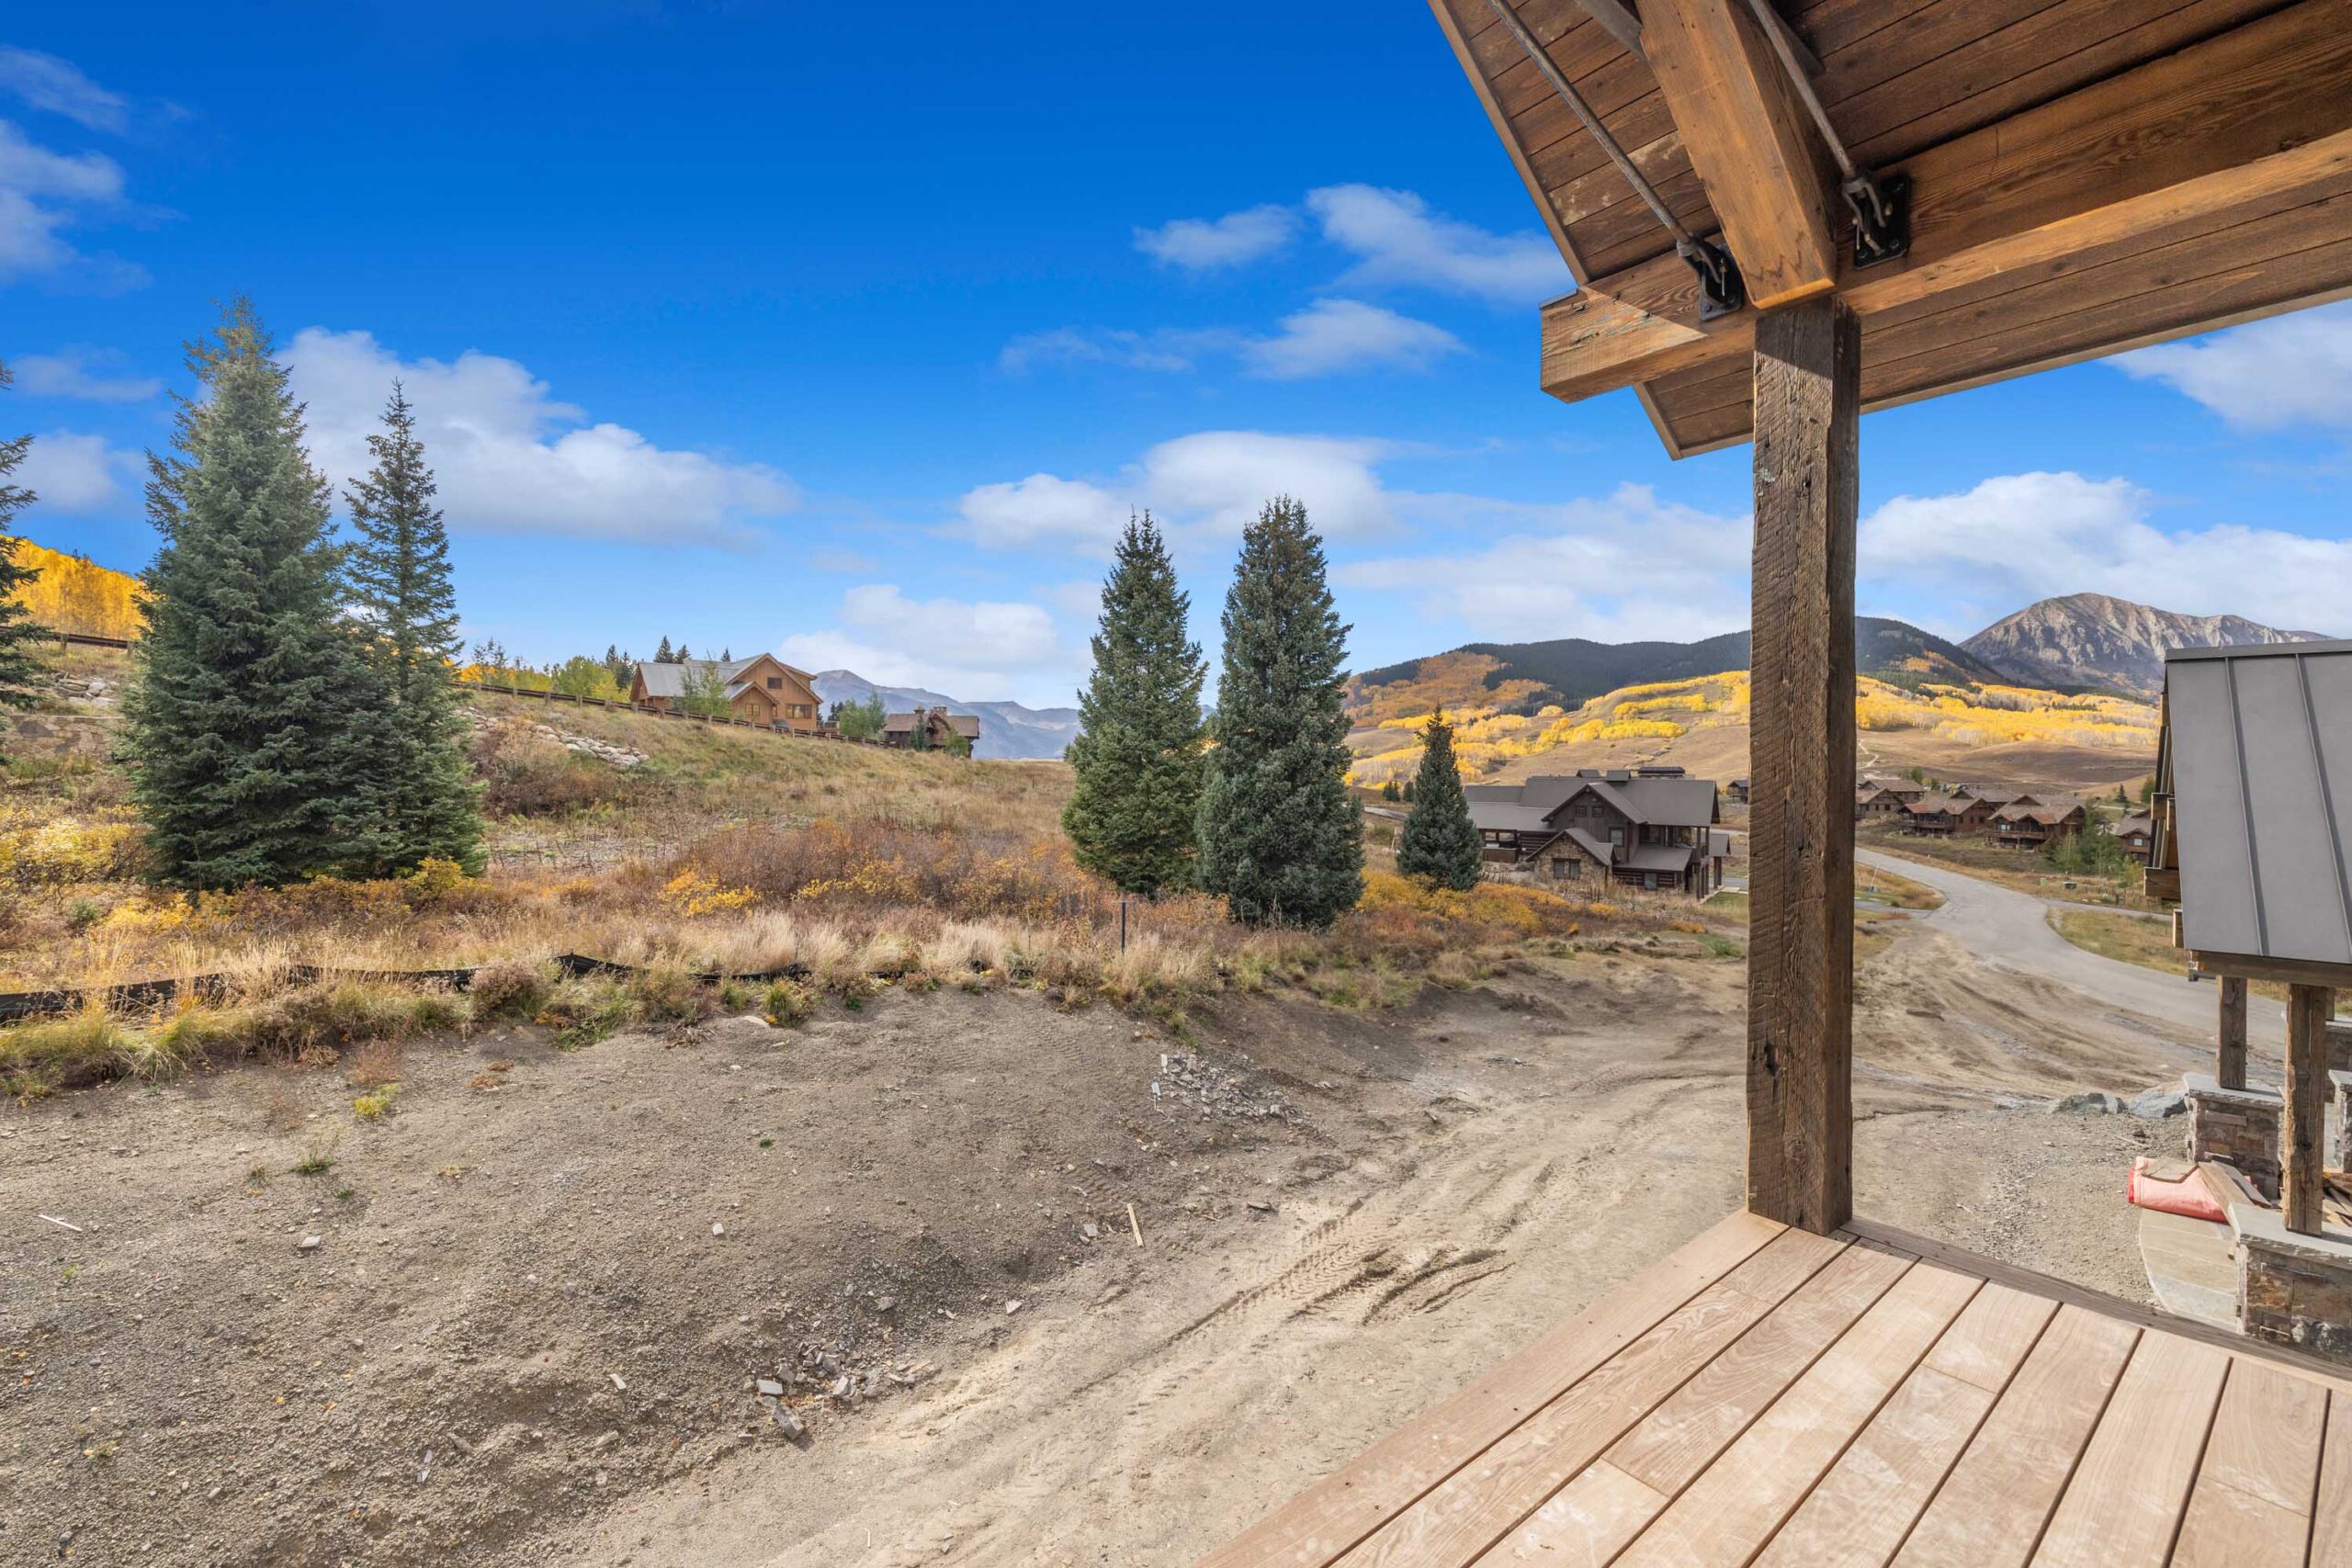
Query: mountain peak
(2096, 640)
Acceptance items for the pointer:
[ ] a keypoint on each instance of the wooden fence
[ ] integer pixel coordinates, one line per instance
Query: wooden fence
(724, 721)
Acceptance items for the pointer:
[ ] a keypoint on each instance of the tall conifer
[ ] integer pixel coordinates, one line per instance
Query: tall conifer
(400, 580)
(253, 709)
(20, 672)
(1439, 841)
(1138, 754)
(1281, 839)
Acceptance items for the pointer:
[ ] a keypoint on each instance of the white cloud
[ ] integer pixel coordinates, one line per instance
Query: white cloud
(1334, 335)
(1624, 566)
(977, 650)
(1067, 347)
(67, 472)
(58, 86)
(2293, 369)
(80, 373)
(1398, 240)
(1199, 245)
(1203, 487)
(2019, 537)
(42, 192)
(511, 458)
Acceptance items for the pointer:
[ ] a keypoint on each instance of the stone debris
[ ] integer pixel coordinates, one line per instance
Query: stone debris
(2155, 1104)
(1218, 1092)
(769, 1387)
(2085, 1103)
(620, 757)
(308, 1243)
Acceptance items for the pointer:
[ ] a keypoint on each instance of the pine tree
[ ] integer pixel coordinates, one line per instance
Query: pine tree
(20, 672)
(253, 708)
(661, 655)
(1138, 756)
(400, 580)
(1439, 841)
(1281, 839)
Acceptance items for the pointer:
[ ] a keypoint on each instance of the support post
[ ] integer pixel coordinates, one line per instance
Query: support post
(2229, 1039)
(1800, 800)
(2302, 1131)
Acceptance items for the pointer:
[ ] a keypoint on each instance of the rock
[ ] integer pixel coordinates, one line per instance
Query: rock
(2085, 1103)
(794, 1427)
(1012, 1307)
(1090, 1230)
(770, 1387)
(606, 1440)
(884, 1304)
(308, 1243)
(1263, 1208)
(2155, 1104)
(718, 1229)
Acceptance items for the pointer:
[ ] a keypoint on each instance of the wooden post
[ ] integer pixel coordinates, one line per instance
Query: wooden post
(2302, 1131)
(1801, 791)
(2229, 1043)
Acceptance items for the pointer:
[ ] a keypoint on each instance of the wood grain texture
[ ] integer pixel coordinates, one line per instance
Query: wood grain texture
(1801, 818)
(1990, 1510)
(1344, 1507)
(2122, 1508)
(1748, 139)
(2250, 1504)
(2302, 1125)
(2229, 1033)
(2332, 1509)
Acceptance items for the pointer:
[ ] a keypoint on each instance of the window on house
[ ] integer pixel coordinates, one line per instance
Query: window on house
(1616, 835)
(775, 682)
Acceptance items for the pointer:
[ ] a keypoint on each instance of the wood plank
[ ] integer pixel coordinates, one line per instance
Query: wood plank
(2251, 1506)
(2229, 1034)
(1475, 71)
(1869, 1501)
(1990, 1510)
(1680, 1438)
(1750, 140)
(1586, 1524)
(2332, 1510)
(1801, 815)
(2302, 1126)
(1342, 1508)
(1480, 1502)
(2258, 114)
(2123, 1504)
(1729, 1512)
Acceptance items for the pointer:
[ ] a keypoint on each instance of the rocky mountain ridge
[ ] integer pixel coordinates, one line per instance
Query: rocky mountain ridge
(2096, 641)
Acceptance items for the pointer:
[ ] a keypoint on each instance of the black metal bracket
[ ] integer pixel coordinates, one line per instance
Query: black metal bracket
(1882, 217)
(1721, 289)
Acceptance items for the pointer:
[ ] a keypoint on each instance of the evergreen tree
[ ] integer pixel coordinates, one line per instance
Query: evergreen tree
(727, 656)
(684, 656)
(662, 655)
(400, 580)
(1439, 841)
(1138, 756)
(254, 707)
(20, 672)
(1281, 839)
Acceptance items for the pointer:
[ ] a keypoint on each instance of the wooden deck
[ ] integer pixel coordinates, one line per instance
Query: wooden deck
(1770, 1397)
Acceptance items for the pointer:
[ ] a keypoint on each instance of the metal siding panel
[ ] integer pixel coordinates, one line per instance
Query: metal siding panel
(2302, 913)
(2217, 907)
(2329, 677)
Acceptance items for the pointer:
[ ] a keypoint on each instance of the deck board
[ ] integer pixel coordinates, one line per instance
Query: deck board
(1766, 1397)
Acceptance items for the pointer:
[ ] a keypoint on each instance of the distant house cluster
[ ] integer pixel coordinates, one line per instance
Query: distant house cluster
(2010, 818)
(762, 688)
(938, 727)
(1652, 828)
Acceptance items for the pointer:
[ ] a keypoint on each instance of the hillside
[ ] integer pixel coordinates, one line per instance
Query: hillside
(2090, 640)
(1568, 672)
(74, 595)
(1008, 731)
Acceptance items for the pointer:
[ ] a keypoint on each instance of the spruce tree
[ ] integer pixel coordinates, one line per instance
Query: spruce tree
(1281, 839)
(400, 580)
(253, 710)
(1440, 842)
(1138, 756)
(20, 672)
(661, 655)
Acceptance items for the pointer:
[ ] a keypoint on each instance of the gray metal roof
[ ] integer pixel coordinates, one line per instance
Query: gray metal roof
(2258, 746)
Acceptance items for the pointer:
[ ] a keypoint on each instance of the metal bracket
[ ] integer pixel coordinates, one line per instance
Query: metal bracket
(1882, 217)
(1722, 291)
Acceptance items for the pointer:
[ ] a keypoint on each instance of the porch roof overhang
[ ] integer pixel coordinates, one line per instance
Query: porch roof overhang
(2084, 176)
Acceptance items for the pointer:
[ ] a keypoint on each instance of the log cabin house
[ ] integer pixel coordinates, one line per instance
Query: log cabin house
(2034, 825)
(762, 688)
(2138, 833)
(1778, 214)
(1885, 797)
(1656, 833)
(939, 726)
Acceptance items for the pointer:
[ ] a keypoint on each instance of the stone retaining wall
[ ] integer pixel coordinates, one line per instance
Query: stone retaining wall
(2240, 1125)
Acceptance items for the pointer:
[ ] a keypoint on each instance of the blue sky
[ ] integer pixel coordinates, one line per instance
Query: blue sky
(765, 325)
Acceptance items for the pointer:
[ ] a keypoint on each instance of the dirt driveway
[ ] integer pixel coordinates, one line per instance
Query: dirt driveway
(531, 1329)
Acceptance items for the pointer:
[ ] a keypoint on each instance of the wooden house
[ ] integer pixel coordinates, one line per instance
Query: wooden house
(1779, 213)
(1653, 832)
(2035, 824)
(938, 726)
(1885, 797)
(2138, 833)
(1737, 790)
(762, 688)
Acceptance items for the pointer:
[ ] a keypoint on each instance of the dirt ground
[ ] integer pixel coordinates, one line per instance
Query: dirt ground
(540, 1297)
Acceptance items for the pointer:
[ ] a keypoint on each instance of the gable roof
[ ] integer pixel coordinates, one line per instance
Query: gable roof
(2256, 754)
(667, 678)
(1537, 802)
(964, 723)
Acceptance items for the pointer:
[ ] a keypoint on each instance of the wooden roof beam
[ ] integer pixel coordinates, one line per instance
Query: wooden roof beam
(2262, 112)
(1751, 141)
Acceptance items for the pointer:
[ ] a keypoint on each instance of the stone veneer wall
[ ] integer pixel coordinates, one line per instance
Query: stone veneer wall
(2293, 1289)
(2240, 1125)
